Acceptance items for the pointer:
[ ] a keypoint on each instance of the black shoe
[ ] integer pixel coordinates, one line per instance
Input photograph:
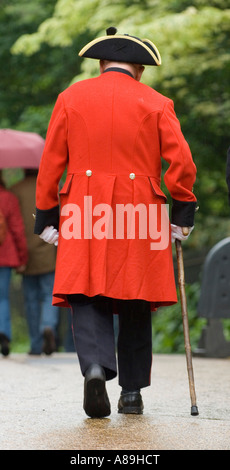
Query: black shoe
(49, 345)
(5, 344)
(130, 403)
(96, 402)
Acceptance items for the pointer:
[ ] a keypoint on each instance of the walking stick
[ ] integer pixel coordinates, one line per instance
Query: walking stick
(180, 264)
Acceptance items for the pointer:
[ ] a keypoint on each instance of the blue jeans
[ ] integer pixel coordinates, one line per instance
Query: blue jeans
(5, 322)
(40, 313)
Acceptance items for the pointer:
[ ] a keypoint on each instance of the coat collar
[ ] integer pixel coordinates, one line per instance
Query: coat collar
(118, 69)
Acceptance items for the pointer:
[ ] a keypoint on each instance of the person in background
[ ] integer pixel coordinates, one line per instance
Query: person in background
(13, 254)
(38, 276)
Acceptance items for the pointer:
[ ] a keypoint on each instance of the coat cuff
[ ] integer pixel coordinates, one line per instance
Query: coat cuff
(46, 218)
(183, 213)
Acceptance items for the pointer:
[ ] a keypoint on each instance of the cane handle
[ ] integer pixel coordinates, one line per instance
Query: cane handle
(185, 230)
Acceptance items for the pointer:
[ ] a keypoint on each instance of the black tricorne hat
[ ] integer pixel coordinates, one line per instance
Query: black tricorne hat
(122, 48)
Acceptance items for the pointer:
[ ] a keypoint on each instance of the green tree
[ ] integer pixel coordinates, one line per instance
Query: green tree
(193, 37)
(30, 84)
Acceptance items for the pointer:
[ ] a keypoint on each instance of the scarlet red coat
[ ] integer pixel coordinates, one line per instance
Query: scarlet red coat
(111, 132)
(13, 251)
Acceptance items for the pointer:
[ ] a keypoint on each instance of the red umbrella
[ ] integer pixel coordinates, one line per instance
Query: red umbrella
(20, 149)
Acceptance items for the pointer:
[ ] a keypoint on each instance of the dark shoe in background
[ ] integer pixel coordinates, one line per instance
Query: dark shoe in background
(49, 344)
(5, 344)
(96, 402)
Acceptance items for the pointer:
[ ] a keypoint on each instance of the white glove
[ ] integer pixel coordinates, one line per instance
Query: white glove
(177, 233)
(50, 235)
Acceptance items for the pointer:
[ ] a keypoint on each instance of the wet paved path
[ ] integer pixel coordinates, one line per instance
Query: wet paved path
(41, 407)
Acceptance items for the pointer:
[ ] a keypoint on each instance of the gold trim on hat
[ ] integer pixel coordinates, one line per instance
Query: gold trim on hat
(155, 47)
(120, 36)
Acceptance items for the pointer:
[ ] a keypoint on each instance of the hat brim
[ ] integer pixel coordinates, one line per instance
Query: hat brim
(122, 48)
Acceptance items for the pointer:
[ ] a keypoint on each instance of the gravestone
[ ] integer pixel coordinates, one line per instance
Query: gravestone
(214, 302)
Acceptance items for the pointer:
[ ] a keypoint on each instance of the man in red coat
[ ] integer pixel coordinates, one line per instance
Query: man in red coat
(113, 231)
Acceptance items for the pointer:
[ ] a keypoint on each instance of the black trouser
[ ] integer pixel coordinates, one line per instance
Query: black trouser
(94, 338)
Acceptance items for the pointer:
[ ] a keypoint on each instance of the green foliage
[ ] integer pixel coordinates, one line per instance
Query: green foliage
(167, 325)
(226, 328)
(30, 84)
(208, 231)
(20, 337)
